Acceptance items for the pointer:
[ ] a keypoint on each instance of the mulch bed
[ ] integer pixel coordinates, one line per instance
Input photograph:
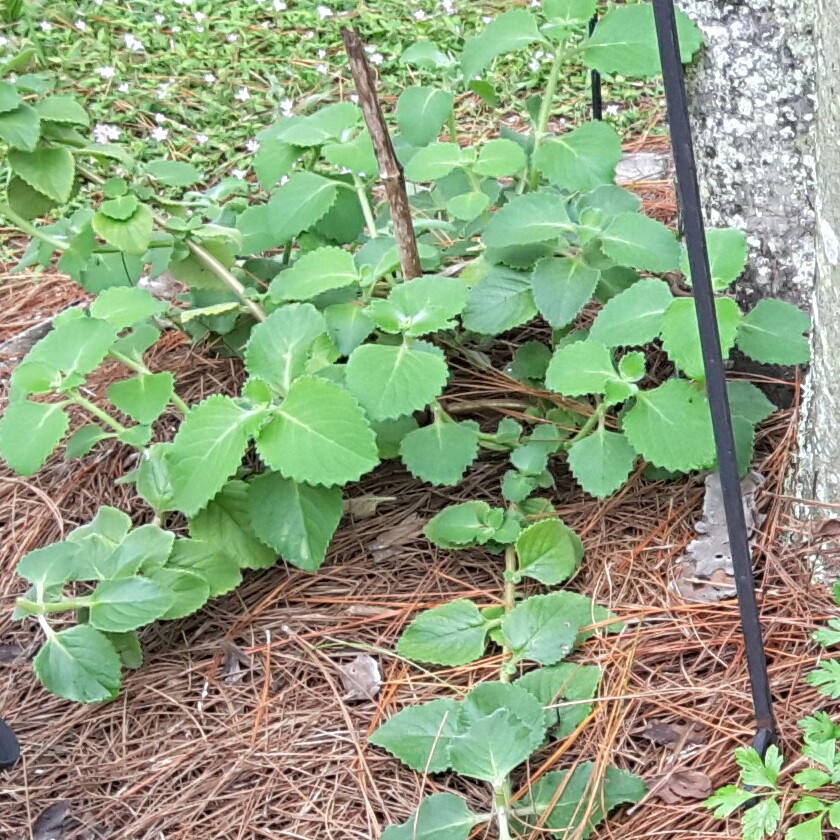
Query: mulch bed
(237, 725)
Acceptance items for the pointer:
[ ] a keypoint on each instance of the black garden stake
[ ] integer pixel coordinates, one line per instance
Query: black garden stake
(595, 80)
(9, 747)
(698, 260)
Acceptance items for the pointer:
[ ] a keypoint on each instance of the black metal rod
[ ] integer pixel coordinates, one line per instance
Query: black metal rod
(698, 259)
(595, 80)
(9, 746)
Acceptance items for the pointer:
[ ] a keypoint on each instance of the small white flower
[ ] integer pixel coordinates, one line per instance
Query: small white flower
(159, 19)
(310, 35)
(238, 173)
(612, 110)
(160, 118)
(163, 90)
(45, 25)
(252, 146)
(133, 43)
(243, 95)
(376, 58)
(199, 29)
(3, 40)
(159, 134)
(123, 87)
(201, 139)
(322, 69)
(354, 97)
(175, 29)
(232, 38)
(322, 53)
(105, 133)
(209, 78)
(418, 14)
(200, 17)
(487, 18)
(106, 72)
(324, 12)
(279, 6)
(80, 25)
(286, 107)
(534, 65)
(284, 180)
(448, 6)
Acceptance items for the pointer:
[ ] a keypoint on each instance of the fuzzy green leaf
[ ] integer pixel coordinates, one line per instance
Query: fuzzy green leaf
(826, 677)
(748, 401)
(390, 381)
(583, 367)
(190, 591)
(123, 306)
(21, 127)
(761, 820)
(143, 397)
(671, 426)
(548, 551)
(681, 334)
(728, 252)
(320, 435)
(424, 305)
(582, 159)
(62, 109)
(281, 345)
(453, 634)
(314, 273)
(348, 325)
(468, 206)
(273, 160)
(566, 681)
(296, 520)
(624, 42)
(207, 450)
(219, 569)
(83, 440)
(425, 55)
(9, 97)
(601, 462)
(531, 218)
(633, 317)
(333, 122)
(132, 235)
(29, 432)
(441, 816)
(127, 646)
(460, 525)
(501, 300)
(50, 170)
(128, 603)
(544, 628)
(442, 452)
(773, 333)
(500, 158)
(510, 31)
(79, 664)
(357, 155)
(562, 287)
(434, 161)
(225, 523)
(173, 173)
(48, 566)
(570, 12)
(422, 112)
(638, 241)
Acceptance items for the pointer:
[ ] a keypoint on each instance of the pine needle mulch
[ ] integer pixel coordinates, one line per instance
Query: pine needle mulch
(237, 726)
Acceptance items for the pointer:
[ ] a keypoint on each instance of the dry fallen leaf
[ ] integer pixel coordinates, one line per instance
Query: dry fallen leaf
(11, 652)
(388, 544)
(235, 662)
(360, 678)
(682, 785)
(52, 822)
(671, 734)
(364, 507)
(827, 528)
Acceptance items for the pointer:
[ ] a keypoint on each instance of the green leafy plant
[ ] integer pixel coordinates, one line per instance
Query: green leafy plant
(497, 726)
(347, 359)
(766, 787)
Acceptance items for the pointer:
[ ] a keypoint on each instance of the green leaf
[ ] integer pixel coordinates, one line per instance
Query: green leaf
(425, 55)
(357, 155)
(461, 525)
(348, 325)
(419, 736)
(127, 646)
(422, 112)
(632, 366)
(25, 201)
(583, 367)
(320, 435)
(424, 305)
(273, 160)
(442, 452)
(441, 816)
(48, 566)
(748, 401)
(761, 820)
(453, 634)
(671, 426)
(772, 333)
(500, 158)
(826, 677)
(434, 161)
(548, 551)
(544, 628)
(226, 524)
(530, 362)
(296, 520)
(582, 159)
(728, 799)
(681, 334)
(173, 173)
(281, 345)
(314, 273)
(390, 381)
(132, 235)
(728, 252)
(570, 12)
(128, 603)
(808, 830)
(562, 287)
(83, 440)
(79, 664)
(29, 432)
(614, 281)
(468, 206)
(121, 208)
(21, 127)
(624, 42)
(812, 778)
(207, 450)
(62, 109)
(333, 122)
(638, 241)
(195, 274)
(508, 32)
(601, 462)
(501, 300)
(50, 170)
(143, 397)
(220, 570)
(567, 681)
(123, 306)
(190, 592)
(491, 747)
(9, 97)
(531, 218)
(633, 317)
(585, 794)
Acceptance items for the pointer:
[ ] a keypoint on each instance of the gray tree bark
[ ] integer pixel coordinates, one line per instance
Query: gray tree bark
(766, 117)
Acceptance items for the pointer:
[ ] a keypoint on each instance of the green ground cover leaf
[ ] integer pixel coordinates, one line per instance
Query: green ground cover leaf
(441, 816)
(315, 272)
(581, 159)
(422, 112)
(562, 287)
(773, 333)
(128, 603)
(441, 452)
(453, 634)
(583, 367)
(501, 300)
(143, 397)
(634, 316)
(601, 462)
(29, 432)
(506, 33)
(548, 551)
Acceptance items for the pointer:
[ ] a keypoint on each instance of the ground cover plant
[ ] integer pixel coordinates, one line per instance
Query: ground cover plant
(348, 355)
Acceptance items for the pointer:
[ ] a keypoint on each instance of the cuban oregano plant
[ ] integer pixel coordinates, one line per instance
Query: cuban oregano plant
(347, 362)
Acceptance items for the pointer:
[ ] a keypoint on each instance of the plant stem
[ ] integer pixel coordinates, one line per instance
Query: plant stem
(139, 367)
(596, 418)
(509, 600)
(41, 608)
(453, 127)
(361, 192)
(97, 412)
(501, 796)
(32, 230)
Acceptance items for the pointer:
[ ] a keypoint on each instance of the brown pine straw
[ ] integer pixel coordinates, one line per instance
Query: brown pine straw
(194, 750)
